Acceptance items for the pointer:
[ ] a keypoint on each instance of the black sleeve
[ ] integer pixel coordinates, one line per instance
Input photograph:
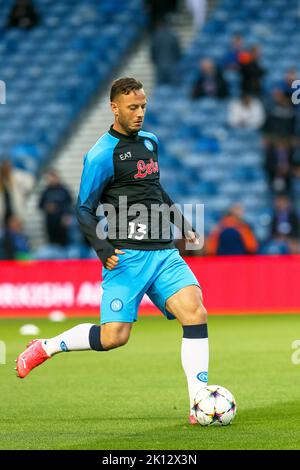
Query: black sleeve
(177, 218)
(95, 178)
(88, 222)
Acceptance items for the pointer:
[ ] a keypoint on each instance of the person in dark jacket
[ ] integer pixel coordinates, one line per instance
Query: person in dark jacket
(13, 241)
(23, 15)
(281, 116)
(56, 203)
(251, 71)
(165, 53)
(210, 82)
(286, 85)
(159, 10)
(231, 58)
(279, 164)
(285, 223)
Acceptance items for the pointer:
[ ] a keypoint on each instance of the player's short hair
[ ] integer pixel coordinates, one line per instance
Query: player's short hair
(123, 86)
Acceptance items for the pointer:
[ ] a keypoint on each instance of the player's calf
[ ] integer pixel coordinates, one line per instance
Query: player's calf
(113, 343)
(115, 334)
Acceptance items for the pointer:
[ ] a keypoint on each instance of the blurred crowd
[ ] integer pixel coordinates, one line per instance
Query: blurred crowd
(15, 186)
(274, 115)
(61, 231)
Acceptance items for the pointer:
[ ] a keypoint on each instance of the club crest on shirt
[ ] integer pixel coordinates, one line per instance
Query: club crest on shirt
(148, 144)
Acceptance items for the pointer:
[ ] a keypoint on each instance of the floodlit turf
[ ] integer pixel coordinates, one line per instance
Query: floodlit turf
(136, 397)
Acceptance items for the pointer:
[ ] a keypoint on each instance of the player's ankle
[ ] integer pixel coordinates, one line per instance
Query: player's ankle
(47, 347)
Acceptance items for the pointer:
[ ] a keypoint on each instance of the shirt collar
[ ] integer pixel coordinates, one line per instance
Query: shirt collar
(118, 135)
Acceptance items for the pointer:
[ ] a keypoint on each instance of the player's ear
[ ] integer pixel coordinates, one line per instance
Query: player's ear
(114, 108)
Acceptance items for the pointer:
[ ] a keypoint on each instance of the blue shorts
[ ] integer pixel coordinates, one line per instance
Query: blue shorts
(157, 273)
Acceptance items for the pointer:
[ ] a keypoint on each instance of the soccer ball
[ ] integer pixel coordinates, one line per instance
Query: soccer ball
(214, 405)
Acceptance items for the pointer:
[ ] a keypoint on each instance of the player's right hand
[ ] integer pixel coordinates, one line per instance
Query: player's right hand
(112, 262)
(192, 238)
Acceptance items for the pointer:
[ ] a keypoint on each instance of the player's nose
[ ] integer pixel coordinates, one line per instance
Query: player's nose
(140, 113)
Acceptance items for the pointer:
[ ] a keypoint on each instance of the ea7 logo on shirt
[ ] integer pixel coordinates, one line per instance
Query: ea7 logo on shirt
(124, 156)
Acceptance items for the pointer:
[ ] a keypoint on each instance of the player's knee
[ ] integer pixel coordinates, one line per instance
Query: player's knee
(197, 314)
(203, 314)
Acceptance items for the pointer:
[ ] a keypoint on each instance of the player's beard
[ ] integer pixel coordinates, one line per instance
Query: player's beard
(127, 129)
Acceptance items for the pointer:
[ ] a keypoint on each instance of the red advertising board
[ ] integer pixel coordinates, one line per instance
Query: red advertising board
(231, 285)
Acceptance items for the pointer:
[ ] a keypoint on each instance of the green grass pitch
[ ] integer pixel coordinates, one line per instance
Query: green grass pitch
(135, 397)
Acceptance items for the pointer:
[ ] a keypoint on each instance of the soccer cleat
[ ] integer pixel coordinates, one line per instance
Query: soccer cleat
(33, 356)
(31, 342)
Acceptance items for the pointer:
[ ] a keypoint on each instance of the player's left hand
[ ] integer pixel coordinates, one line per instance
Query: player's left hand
(112, 262)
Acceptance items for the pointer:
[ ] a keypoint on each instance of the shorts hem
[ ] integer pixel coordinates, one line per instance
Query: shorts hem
(117, 320)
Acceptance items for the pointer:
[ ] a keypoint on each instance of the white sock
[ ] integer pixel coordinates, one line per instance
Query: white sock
(195, 357)
(75, 339)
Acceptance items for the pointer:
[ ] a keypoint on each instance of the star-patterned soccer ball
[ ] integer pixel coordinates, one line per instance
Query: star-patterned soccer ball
(214, 405)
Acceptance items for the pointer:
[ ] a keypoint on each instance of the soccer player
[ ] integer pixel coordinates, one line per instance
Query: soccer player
(121, 175)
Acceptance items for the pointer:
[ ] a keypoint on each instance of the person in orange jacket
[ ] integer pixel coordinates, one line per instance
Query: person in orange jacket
(232, 236)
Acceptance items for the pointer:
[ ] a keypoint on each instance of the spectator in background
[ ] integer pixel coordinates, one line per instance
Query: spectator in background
(158, 10)
(56, 203)
(278, 165)
(210, 82)
(286, 85)
(232, 236)
(295, 179)
(251, 71)
(295, 183)
(15, 185)
(23, 15)
(247, 112)
(165, 53)
(231, 59)
(281, 116)
(285, 223)
(13, 242)
(198, 10)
